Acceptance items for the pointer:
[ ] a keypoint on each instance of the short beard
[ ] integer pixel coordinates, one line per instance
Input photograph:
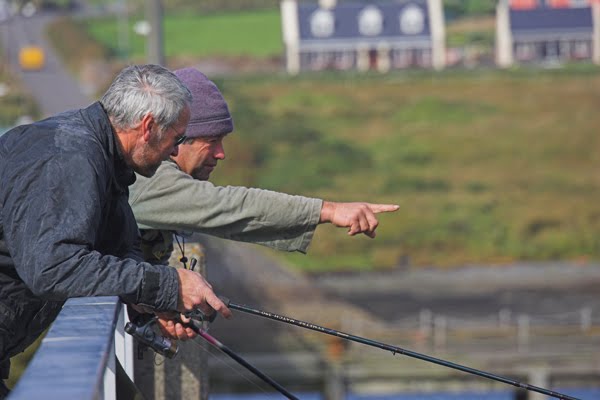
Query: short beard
(146, 169)
(144, 166)
(200, 175)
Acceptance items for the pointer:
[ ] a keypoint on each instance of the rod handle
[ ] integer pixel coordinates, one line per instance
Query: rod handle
(225, 300)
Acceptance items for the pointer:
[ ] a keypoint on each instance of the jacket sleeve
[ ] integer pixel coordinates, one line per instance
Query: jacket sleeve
(52, 215)
(173, 200)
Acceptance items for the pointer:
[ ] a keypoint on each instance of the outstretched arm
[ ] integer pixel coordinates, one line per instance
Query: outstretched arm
(358, 217)
(173, 200)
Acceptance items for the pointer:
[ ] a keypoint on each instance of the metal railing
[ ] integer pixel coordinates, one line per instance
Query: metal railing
(77, 358)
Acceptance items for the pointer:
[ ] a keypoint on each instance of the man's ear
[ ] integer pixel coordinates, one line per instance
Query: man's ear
(147, 125)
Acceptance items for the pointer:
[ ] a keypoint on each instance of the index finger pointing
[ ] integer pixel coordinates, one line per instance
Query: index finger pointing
(378, 208)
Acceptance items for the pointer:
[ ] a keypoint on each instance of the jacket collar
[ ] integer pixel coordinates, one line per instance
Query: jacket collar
(124, 175)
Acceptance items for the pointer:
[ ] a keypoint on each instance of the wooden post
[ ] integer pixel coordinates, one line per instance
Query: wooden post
(335, 386)
(186, 375)
(540, 377)
(334, 382)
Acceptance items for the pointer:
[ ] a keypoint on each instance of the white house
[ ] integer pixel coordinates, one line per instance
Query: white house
(534, 31)
(378, 34)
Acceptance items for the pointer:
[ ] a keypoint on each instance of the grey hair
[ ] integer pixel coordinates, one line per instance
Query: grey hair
(145, 89)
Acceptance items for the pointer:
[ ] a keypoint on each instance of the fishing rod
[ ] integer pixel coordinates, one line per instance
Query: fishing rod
(214, 342)
(145, 331)
(395, 350)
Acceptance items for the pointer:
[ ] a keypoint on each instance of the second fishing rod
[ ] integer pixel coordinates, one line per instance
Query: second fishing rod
(394, 349)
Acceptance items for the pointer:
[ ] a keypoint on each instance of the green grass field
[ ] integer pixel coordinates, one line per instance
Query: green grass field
(251, 33)
(487, 166)
(254, 33)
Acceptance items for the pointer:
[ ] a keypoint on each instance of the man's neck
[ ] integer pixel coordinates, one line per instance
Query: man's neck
(125, 140)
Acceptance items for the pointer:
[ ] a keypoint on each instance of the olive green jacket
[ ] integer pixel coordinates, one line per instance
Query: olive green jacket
(173, 201)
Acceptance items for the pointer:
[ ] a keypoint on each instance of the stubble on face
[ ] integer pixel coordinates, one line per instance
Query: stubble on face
(160, 146)
(146, 158)
(196, 159)
(202, 173)
(154, 148)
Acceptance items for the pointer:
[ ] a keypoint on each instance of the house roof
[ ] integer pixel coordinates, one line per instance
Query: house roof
(554, 20)
(370, 22)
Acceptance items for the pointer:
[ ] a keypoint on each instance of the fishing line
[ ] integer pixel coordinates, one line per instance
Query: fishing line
(395, 350)
(229, 365)
(194, 325)
(181, 246)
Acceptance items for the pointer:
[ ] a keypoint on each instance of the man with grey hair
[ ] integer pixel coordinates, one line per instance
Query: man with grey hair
(66, 228)
(179, 197)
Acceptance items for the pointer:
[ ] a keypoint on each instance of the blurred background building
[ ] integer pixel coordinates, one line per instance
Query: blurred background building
(552, 31)
(375, 35)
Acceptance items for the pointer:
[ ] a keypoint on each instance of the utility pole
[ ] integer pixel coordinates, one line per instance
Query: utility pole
(155, 51)
(123, 29)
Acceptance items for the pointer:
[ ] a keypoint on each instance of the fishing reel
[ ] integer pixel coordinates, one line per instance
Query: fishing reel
(148, 335)
(198, 316)
(145, 331)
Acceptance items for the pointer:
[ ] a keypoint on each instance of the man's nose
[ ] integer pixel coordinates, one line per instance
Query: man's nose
(175, 151)
(219, 152)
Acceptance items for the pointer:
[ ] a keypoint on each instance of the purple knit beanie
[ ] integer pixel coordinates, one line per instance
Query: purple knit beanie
(210, 114)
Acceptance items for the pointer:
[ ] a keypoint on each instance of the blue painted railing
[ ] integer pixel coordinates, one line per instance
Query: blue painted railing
(77, 357)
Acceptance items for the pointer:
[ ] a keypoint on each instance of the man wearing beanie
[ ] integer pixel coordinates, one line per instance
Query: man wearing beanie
(179, 199)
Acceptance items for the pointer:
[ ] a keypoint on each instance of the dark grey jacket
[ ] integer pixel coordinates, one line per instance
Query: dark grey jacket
(66, 229)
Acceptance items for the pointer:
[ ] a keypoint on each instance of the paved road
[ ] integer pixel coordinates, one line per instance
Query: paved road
(53, 87)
